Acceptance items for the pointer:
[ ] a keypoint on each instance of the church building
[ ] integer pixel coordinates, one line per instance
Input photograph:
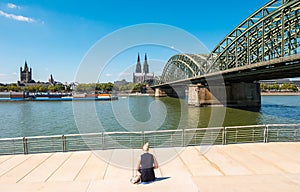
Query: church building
(142, 76)
(26, 74)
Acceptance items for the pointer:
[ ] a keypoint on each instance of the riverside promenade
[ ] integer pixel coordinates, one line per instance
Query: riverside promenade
(239, 167)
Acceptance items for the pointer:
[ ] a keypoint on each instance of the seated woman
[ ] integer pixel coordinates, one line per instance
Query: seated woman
(146, 165)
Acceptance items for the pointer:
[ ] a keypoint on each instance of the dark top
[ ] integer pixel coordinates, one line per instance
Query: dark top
(146, 169)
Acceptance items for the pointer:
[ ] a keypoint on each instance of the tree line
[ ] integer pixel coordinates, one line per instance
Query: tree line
(36, 88)
(109, 87)
(277, 87)
(83, 88)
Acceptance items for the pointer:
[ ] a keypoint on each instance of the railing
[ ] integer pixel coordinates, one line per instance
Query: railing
(161, 138)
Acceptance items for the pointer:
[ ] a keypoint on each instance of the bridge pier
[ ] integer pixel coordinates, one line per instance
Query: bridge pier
(244, 94)
(159, 92)
(177, 92)
(232, 94)
(193, 95)
(204, 95)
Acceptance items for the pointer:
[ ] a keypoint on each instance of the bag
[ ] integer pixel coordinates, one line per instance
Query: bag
(135, 179)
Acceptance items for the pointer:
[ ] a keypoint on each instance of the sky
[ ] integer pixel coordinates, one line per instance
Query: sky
(56, 36)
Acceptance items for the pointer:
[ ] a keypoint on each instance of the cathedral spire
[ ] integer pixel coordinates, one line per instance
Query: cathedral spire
(25, 66)
(138, 65)
(146, 66)
(51, 80)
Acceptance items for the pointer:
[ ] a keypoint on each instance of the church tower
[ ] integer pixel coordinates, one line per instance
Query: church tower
(145, 76)
(26, 74)
(51, 80)
(138, 65)
(146, 66)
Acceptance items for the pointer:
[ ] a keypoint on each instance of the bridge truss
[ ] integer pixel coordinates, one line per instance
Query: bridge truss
(271, 32)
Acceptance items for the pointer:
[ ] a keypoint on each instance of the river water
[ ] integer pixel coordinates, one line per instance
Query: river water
(29, 118)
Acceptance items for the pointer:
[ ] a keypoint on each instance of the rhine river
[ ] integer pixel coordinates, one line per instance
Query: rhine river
(23, 119)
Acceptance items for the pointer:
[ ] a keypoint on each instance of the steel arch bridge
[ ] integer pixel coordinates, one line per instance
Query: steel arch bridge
(272, 32)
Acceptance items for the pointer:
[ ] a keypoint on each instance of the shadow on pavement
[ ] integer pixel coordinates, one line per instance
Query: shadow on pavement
(156, 180)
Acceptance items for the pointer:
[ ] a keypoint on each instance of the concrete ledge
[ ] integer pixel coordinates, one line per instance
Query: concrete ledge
(241, 167)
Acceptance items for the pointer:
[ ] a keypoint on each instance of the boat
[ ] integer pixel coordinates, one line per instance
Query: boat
(25, 96)
(97, 97)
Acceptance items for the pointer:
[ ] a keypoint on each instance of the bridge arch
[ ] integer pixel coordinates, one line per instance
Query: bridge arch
(271, 32)
(182, 66)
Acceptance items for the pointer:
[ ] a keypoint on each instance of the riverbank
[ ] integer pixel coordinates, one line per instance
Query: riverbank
(279, 93)
(134, 94)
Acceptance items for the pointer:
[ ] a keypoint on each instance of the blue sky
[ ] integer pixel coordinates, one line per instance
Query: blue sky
(55, 35)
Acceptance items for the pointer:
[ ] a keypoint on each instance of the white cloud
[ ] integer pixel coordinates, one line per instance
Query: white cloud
(125, 73)
(108, 75)
(7, 75)
(12, 6)
(17, 17)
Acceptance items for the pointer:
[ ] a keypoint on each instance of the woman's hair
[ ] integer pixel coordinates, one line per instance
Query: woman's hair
(146, 147)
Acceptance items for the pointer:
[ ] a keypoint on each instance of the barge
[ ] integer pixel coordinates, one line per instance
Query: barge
(26, 96)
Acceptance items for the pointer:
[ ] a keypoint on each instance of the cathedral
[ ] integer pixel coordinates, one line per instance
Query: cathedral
(142, 76)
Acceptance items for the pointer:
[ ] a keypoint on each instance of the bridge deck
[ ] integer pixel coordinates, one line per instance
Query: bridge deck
(283, 67)
(242, 167)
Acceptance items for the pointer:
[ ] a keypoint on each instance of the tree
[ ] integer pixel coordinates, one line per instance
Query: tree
(51, 88)
(263, 86)
(86, 88)
(68, 88)
(56, 88)
(100, 87)
(138, 87)
(3, 88)
(288, 86)
(274, 87)
(41, 88)
(104, 87)
(108, 87)
(60, 87)
(13, 87)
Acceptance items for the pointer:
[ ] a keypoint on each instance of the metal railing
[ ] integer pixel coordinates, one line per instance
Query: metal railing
(160, 138)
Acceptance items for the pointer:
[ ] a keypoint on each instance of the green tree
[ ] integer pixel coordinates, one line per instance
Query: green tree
(41, 88)
(60, 87)
(138, 87)
(126, 88)
(3, 88)
(13, 87)
(100, 87)
(68, 88)
(86, 88)
(263, 86)
(56, 88)
(274, 87)
(104, 87)
(288, 86)
(51, 88)
(108, 86)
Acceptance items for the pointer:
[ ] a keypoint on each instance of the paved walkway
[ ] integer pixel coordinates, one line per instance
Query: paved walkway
(242, 167)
